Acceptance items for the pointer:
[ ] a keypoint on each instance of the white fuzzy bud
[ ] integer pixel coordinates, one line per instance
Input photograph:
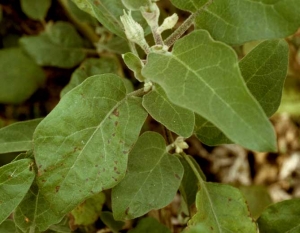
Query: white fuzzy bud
(148, 86)
(180, 145)
(168, 23)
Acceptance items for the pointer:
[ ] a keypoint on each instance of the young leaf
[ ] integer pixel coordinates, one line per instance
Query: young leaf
(81, 147)
(222, 208)
(35, 9)
(175, 118)
(90, 67)
(60, 45)
(15, 180)
(280, 217)
(135, 4)
(189, 5)
(264, 70)
(152, 179)
(115, 44)
(18, 136)
(205, 79)
(150, 225)
(239, 21)
(8, 226)
(18, 83)
(135, 64)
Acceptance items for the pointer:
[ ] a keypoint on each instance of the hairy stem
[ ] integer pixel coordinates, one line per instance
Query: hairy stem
(193, 167)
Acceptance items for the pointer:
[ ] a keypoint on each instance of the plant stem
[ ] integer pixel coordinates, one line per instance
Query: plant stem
(192, 165)
(138, 93)
(157, 37)
(133, 48)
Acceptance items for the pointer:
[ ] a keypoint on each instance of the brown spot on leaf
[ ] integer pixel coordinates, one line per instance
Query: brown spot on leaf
(116, 123)
(27, 220)
(96, 2)
(127, 211)
(57, 188)
(116, 112)
(177, 176)
(115, 168)
(114, 134)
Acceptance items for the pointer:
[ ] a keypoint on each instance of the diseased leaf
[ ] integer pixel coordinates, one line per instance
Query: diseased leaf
(149, 225)
(81, 147)
(108, 219)
(20, 76)
(135, 64)
(60, 46)
(222, 208)
(264, 70)
(8, 226)
(152, 179)
(35, 9)
(202, 75)
(280, 217)
(175, 118)
(189, 5)
(240, 21)
(18, 136)
(15, 180)
(135, 4)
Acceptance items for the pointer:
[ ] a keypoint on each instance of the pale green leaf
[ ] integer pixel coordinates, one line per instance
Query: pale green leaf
(8, 226)
(152, 179)
(150, 225)
(81, 147)
(175, 118)
(114, 45)
(35, 212)
(222, 208)
(18, 136)
(15, 180)
(189, 5)
(20, 76)
(135, 4)
(264, 70)
(35, 9)
(202, 75)
(280, 217)
(135, 64)
(196, 229)
(90, 67)
(81, 15)
(108, 219)
(239, 21)
(60, 45)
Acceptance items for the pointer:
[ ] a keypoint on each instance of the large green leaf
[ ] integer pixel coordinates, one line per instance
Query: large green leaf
(60, 45)
(8, 226)
(81, 147)
(20, 76)
(189, 5)
(221, 209)
(280, 217)
(15, 180)
(202, 75)
(150, 225)
(239, 21)
(175, 118)
(152, 179)
(264, 70)
(18, 136)
(36, 9)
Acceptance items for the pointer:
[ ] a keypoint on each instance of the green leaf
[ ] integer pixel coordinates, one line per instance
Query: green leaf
(280, 217)
(152, 179)
(35, 212)
(60, 46)
(222, 208)
(89, 133)
(108, 219)
(18, 83)
(264, 70)
(175, 118)
(135, 4)
(196, 229)
(88, 212)
(239, 21)
(18, 136)
(189, 5)
(8, 226)
(36, 9)
(135, 64)
(15, 180)
(205, 79)
(115, 44)
(150, 225)
(81, 15)
(90, 67)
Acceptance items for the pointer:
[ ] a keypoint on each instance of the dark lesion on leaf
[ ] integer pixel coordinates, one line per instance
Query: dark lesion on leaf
(116, 112)
(57, 188)
(177, 176)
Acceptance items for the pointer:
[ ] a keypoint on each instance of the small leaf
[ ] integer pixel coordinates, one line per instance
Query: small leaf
(240, 21)
(18, 83)
(81, 15)
(135, 64)
(108, 219)
(115, 44)
(18, 136)
(177, 119)
(150, 225)
(60, 46)
(280, 217)
(189, 5)
(135, 4)
(15, 180)
(222, 208)
(152, 179)
(206, 79)
(89, 133)
(8, 226)
(36, 9)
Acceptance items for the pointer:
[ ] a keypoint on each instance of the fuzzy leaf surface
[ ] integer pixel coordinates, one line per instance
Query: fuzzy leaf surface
(264, 70)
(15, 180)
(202, 75)
(35, 9)
(189, 5)
(175, 118)
(239, 21)
(134, 64)
(60, 46)
(82, 146)
(135, 4)
(280, 217)
(222, 209)
(152, 179)
(18, 136)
